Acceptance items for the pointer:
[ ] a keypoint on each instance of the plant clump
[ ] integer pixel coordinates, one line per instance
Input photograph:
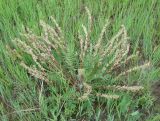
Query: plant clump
(82, 67)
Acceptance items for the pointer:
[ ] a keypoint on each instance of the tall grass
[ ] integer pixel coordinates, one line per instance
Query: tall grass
(23, 97)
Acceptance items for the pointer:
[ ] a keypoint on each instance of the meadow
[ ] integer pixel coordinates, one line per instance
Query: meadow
(79, 60)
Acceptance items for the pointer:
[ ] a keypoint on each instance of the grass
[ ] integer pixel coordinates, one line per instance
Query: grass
(23, 97)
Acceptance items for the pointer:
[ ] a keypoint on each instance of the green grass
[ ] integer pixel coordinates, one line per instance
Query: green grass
(18, 90)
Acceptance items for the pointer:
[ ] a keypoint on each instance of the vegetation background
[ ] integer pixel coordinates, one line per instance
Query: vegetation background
(18, 93)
